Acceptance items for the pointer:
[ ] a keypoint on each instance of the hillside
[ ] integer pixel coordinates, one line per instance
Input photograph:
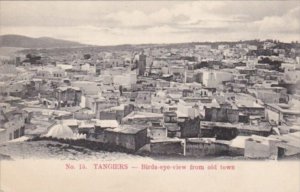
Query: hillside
(28, 42)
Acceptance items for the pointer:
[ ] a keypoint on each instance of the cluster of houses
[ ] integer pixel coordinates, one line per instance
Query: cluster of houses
(199, 101)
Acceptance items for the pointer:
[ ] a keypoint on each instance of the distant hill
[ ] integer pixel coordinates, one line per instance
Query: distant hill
(28, 42)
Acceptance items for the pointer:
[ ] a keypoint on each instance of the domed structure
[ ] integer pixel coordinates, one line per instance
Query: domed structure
(60, 131)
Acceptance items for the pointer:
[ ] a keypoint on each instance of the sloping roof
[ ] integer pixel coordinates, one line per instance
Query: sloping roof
(142, 115)
(287, 111)
(201, 140)
(68, 87)
(120, 107)
(86, 124)
(127, 129)
(239, 141)
(291, 139)
(70, 122)
(167, 140)
(107, 123)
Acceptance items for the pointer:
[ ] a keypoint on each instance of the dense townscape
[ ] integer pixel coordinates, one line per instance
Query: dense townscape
(189, 100)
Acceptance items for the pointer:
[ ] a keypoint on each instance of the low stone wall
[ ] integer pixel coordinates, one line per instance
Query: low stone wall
(167, 148)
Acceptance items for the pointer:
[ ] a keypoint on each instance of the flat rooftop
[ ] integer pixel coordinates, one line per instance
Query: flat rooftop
(127, 129)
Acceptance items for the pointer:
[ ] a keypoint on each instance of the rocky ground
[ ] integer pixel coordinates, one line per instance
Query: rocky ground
(57, 150)
(47, 149)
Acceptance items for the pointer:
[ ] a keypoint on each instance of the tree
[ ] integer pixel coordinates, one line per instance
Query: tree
(29, 56)
(121, 90)
(86, 56)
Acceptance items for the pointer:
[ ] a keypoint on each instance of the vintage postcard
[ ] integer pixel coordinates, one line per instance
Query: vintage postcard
(149, 96)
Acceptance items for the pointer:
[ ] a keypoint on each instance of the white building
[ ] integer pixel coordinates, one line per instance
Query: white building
(214, 78)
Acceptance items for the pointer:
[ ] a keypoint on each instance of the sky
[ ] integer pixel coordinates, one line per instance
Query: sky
(135, 22)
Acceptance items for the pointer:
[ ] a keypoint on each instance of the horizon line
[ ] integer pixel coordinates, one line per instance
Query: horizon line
(149, 43)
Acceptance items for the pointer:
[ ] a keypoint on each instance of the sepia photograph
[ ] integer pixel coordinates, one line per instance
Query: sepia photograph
(149, 96)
